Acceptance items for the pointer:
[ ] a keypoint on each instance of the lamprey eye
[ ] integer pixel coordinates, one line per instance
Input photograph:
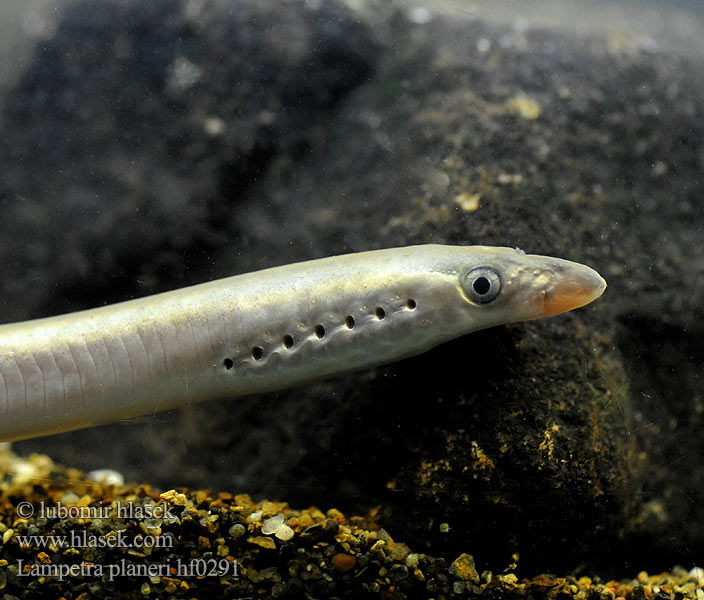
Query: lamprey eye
(482, 284)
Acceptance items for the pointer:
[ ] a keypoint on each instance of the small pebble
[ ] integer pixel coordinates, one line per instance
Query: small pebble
(398, 572)
(106, 476)
(463, 568)
(174, 497)
(412, 560)
(343, 562)
(236, 531)
(255, 517)
(273, 524)
(69, 498)
(263, 542)
(284, 533)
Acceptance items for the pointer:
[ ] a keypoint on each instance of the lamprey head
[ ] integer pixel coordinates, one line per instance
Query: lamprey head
(505, 285)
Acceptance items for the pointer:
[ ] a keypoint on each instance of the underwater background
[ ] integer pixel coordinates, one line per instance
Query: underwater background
(150, 146)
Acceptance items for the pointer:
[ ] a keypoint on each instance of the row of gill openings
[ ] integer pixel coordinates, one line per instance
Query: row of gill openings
(257, 352)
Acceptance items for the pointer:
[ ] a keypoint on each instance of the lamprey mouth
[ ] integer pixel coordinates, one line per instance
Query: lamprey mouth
(582, 286)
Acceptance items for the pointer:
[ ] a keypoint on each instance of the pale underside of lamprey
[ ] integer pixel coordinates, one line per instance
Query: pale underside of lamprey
(269, 330)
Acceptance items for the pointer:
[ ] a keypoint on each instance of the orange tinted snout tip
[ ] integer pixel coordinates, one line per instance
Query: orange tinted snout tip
(574, 289)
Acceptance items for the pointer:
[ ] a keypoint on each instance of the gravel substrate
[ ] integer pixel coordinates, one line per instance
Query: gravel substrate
(64, 535)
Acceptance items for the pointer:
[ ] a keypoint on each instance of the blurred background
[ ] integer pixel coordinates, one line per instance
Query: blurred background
(148, 146)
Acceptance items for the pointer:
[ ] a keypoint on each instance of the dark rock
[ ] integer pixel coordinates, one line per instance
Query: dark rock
(137, 130)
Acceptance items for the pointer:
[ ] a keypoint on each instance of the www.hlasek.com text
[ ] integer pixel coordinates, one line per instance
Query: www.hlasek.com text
(85, 539)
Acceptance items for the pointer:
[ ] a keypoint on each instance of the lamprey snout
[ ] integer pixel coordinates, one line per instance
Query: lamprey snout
(569, 291)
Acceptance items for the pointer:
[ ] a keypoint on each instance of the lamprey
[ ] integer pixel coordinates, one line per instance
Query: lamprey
(269, 330)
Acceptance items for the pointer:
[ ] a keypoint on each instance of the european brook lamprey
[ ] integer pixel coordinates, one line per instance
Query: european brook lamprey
(269, 330)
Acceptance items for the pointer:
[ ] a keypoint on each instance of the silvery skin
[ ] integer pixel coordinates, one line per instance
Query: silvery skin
(269, 330)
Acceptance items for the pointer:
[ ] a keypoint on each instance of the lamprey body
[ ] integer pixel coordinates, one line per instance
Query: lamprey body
(269, 330)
